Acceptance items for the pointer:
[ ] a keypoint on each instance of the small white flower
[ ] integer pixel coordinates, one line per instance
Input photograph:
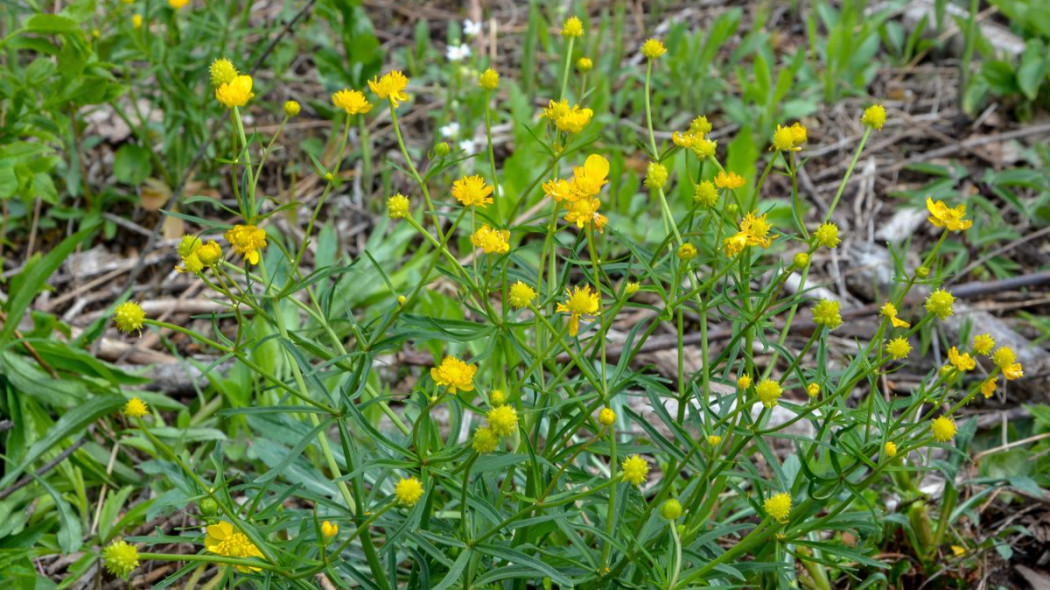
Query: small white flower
(468, 147)
(450, 131)
(457, 52)
(471, 28)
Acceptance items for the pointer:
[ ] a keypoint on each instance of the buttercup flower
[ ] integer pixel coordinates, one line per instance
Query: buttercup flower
(236, 92)
(178, 4)
(768, 392)
(943, 429)
(397, 206)
(687, 251)
(713, 439)
(706, 194)
(889, 311)
(1004, 356)
(472, 191)
(939, 303)
(247, 240)
(567, 118)
(898, 348)
(874, 116)
(827, 235)
(135, 408)
(491, 240)
(454, 374)
(778, 506)
(800, 134)
(390, 87)
(783, 139)
(988, 386)
(1013, 371)
(671, 509)
(754, 231)
(635, 470)
(291, 108)
(497, 397)
(729, 181)
(800, 260)
(329, 530)
(572, 28)
(408, 491)
(813, 389)
(584, 64)
(653, 48)
(503, 420)
(826, 313)
(223, 540)
(209, 253)
(704, 148)
(351, 101)
(489, 79)
(521, 295)
(631, 288)
(656, 175)
(222, 72)
(963, 362)
(890, 449)
(136, 21)
(120, 558)
(744, 381)
(129, 317)
(579, 302)
(983, 344)
(485, 441)
(943, 216)
(606, 417)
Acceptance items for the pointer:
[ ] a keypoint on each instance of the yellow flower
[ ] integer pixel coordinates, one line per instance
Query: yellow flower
(671, 509)
(329, 530)
(768, 392)
(827, 235)
(454, 374)
(120, 558)
(800, 260)
(191, 264)
(939, 303)
(898, 348)
(826, 313)
(489, 79)
(728, 181)
(584, 213)
(503, 420)
(292, 108)
(963, 362)
(890, 449)
(874, 116)
(236, 92)
(136, 21)
(631, 288)
(397, 206)
(655, 175)
(744, 381)
(687, 251)
(800, 133)
(943, 429)
(351, 101)
(607, 417)
(635, 470)
(222, 72)
(983, 344)
(491, 240)
(135, 408)
(390, 87)
(813, 389)
(178, 4)
(588, 180)
(472, 191)
(988, 386)
(704, 148)
(713, 439)
(485, 441)
(572, 28)
(521, 295)
(223, 540)
(942, 215)
(778, 506)
(700, 126)
(1013, 371)
(129, 317)
(783, 139)
(247, 240)
(653, 48)
(579, 302)
(1003, 357)
(584, 64)
(408, 491)
(754, 231)
(188, 245)
(890, 311)
(706, 194)
(958, 550)
(497, 397)
(209, 253)
(401, 300)
(559, 190)
(568, 119)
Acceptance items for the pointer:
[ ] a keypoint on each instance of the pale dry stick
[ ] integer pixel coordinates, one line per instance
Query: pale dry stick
(43, 470)
(977, 458)
(105, 488)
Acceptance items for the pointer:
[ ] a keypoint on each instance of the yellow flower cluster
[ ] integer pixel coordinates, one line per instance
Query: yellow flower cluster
(943, 429)
(1005, 359)
(120, 558)
(874, 116)
(521, 295)
(769, 392)
(408, 491)
(939, 303)
(606, 417)
(790, 139)
(135, 408)
(729, 181)
(695, 138)
(247, 240)
(397, 206)
(223, 540)
(635, 470)
(572, 27)
(489, 79)
(778, 506)
(578, 303)
(391, 86)
(235, 93)
(898, 348)
(567, 118)
(826, 313)
(942, 215)
(889, 311)
(491, 241)
(472, 191)
(196, 255)
(579, 195)
(454, 374)
(353, 102)
(754, 231)
(653, 48)
(129, 317)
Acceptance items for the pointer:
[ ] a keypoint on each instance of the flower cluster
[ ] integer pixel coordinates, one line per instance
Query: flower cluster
(567, 118)
(454, 374)
(223, 540)
(578, 303)
(247, 240)
(579, 194)
(754, 231)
